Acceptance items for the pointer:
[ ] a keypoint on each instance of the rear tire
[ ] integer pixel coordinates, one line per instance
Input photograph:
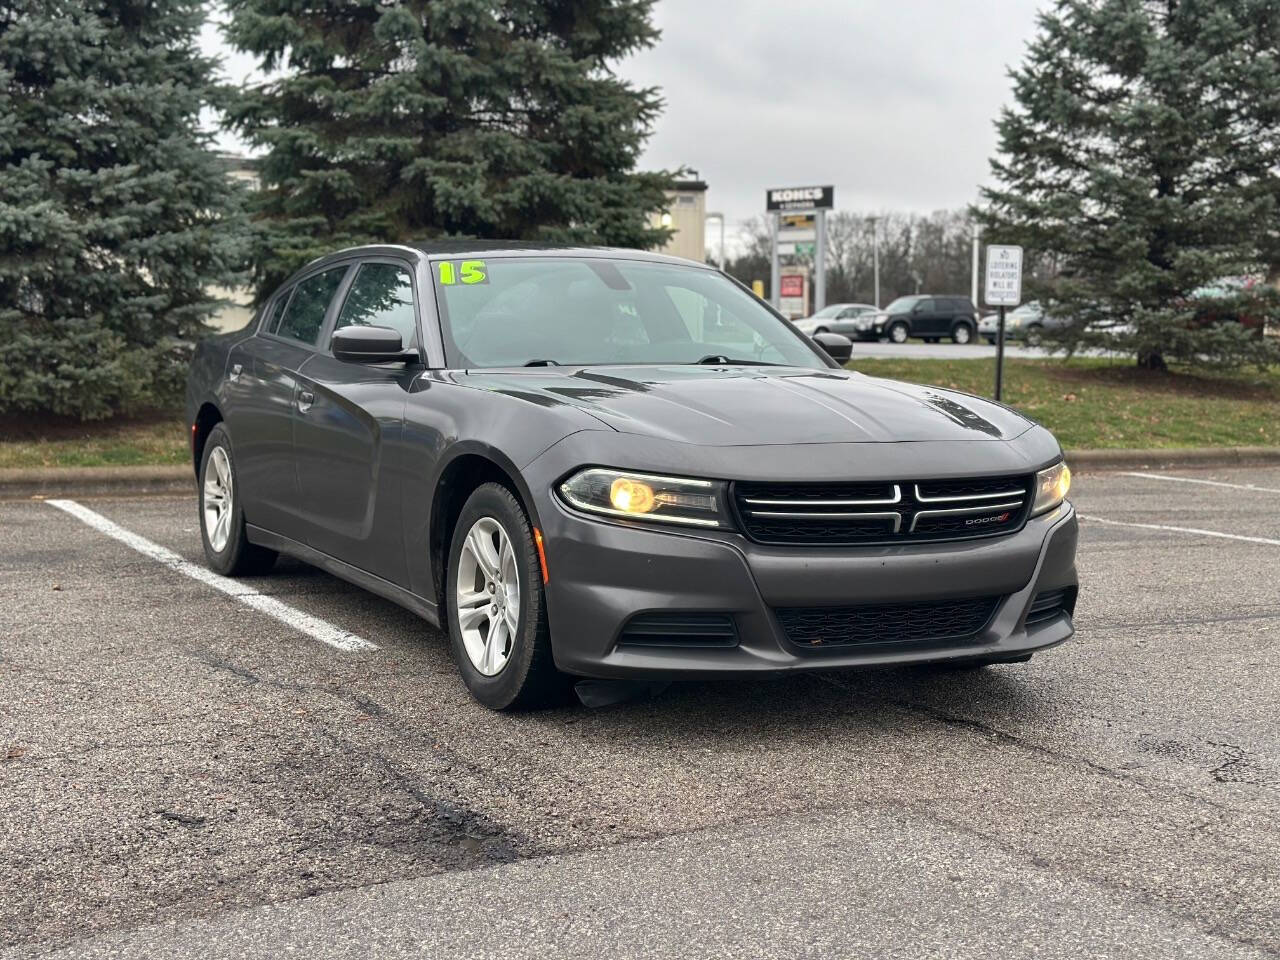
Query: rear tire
(504, 657)
(962, 333)
(227, 549)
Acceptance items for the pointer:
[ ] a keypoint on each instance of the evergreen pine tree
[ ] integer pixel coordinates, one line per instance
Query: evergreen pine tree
(401, 121)
(115, 217)
(1141, 161)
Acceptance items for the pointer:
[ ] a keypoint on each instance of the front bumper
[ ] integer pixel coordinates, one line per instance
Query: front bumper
(602, 573)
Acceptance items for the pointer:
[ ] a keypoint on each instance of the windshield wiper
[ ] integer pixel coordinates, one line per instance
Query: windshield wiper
(720, 358)
(543, 363)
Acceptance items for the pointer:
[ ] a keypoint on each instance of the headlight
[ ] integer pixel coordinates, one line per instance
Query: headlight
(862, 323)
(1052, 485)
(642, 496)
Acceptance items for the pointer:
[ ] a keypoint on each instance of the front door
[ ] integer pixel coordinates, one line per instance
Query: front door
(347, 438)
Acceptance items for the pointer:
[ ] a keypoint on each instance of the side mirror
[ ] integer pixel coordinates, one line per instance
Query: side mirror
(839, 348)
(361, 344)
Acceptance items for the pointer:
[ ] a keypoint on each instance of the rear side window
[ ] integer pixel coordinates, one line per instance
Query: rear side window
(305, 314)
(277, 311)
(381, 296)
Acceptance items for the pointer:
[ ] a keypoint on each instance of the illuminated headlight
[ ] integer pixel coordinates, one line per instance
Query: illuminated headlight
(1052, 485)
(642, 496)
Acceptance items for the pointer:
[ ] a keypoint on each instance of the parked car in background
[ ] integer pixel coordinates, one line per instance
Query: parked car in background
(856, 320)
(1027, 323)
(929, 317)
(1208, 300)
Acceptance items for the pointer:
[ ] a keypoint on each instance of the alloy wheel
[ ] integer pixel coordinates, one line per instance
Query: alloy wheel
(487, 596)
(217, 499)
(962, 334)
(898, 333)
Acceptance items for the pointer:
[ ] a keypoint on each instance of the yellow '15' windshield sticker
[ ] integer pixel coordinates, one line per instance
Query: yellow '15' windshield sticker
(467, 272)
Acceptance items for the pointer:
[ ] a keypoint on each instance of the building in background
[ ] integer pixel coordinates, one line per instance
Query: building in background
(686, 215)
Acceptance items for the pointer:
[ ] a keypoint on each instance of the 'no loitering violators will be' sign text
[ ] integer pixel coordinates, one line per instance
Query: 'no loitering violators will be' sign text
(1004, 276)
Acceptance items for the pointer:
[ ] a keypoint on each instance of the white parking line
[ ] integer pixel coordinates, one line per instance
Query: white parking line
(1161, 526)
(1207, 483)
(314, 627)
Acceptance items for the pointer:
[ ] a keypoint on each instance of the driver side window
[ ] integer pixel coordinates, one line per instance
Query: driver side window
(382, 296)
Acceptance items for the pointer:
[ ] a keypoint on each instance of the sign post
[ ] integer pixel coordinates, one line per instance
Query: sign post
(1003, 288)
(798, 219)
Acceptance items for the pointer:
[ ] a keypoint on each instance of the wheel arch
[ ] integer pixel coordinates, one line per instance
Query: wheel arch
(469, 466)
(207, 417)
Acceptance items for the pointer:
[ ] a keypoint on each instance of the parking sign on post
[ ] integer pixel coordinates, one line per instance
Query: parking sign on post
(1004, 276)
(1003, 289)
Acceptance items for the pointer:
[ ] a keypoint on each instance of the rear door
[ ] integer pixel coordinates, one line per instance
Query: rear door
(263, 445)
(346, 438)
(257, 402)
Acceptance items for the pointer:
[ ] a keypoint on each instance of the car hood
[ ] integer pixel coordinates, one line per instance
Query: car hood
(733, 406)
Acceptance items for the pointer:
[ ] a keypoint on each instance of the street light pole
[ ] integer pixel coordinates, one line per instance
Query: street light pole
(973, 287)
(875, 255)
(720, 217)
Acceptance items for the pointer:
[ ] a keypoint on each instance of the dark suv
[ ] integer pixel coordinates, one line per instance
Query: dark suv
(929, 317)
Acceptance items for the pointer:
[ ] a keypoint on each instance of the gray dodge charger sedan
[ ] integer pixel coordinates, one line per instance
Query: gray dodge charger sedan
(613, 464)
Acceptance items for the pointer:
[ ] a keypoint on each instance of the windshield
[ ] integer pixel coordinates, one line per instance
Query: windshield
(513, 311)
(901, 304)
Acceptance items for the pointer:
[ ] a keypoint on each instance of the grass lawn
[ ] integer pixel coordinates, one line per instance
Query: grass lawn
(114, 443)
(1092, 403)
(1087, 403)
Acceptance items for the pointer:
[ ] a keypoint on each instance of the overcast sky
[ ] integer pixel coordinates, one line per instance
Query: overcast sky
(892, 101)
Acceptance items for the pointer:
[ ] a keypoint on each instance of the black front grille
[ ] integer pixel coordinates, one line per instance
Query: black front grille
(679, 630)
(1051, 603)
(907, 511)
(917, 623)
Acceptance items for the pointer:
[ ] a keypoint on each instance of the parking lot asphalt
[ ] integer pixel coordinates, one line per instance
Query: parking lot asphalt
(182, 771)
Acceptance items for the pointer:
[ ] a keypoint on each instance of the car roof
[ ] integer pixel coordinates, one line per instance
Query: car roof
(452, 249)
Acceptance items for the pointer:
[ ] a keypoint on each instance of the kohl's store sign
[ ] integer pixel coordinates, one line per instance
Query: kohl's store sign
(800, 198)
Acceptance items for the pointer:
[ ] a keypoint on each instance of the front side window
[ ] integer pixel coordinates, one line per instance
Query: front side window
(306, 311)
(382, 296)
(902, 305)
(594, 311)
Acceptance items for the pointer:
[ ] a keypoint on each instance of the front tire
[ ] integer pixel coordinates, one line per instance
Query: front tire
(227, 549)
(899, 332)
(497, 608)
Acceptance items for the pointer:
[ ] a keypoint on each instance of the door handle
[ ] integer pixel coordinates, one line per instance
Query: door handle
(234, 375)
(305, 399)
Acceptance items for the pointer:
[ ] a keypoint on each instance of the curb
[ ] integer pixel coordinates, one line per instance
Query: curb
(1186, 457)
(42, 483)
